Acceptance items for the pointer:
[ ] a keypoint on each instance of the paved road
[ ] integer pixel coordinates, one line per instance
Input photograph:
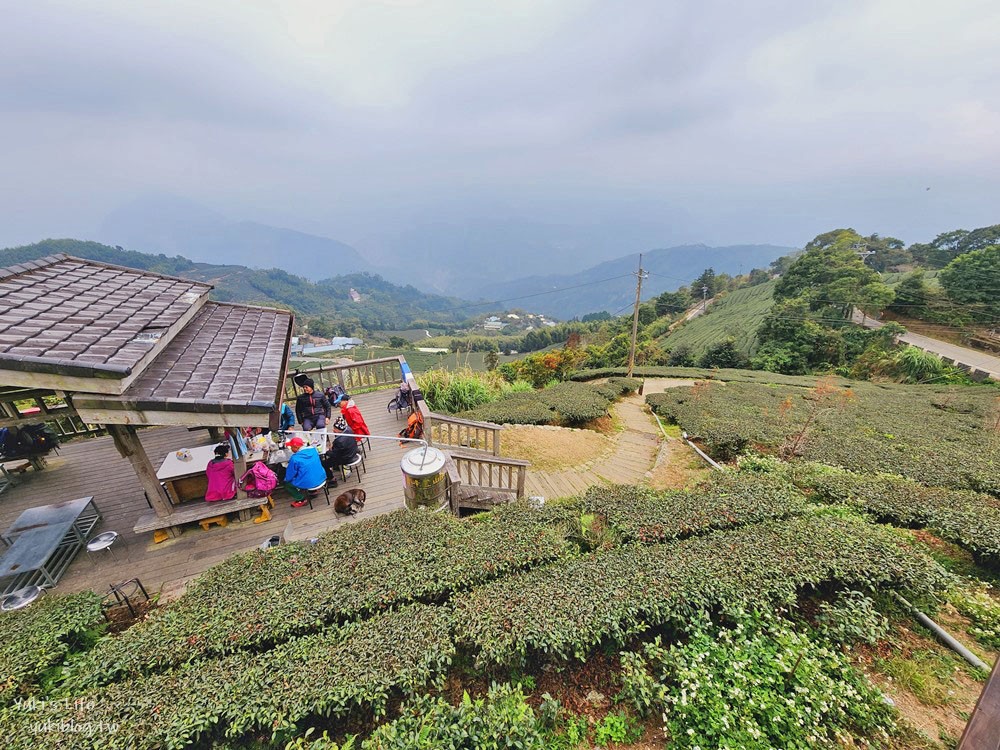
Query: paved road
(960, 355)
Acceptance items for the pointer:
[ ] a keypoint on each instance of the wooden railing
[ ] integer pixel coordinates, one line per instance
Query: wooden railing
(357, 377)
(59, 415)
(443, 430)
(499, 474)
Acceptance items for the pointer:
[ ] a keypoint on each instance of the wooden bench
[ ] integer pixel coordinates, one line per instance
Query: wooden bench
(196, 511)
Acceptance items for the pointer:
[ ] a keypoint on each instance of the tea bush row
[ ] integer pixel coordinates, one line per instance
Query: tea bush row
(969, 519)
(565, 403)
(566, 608)
(937, 435)
(34, 639)
(724, 500)
(258, 599)
(332, 673)
(703, 373)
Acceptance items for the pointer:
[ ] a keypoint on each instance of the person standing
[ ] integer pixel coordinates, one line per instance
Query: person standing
(312, 408)
(304, 472)
(221, 476)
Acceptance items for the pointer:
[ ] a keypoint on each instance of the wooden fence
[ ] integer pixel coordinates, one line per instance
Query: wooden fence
(444, 430)
(356, 377)
(21, 406)
(482, 482)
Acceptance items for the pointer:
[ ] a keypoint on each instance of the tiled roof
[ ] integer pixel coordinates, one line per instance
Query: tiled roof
(66, 314)
(228, 358)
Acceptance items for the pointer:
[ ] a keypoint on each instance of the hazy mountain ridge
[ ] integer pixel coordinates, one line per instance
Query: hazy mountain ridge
(175, 226)
(611, 285)
(383, 305)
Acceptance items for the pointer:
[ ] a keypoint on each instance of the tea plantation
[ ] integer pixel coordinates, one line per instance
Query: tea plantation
(734, 613)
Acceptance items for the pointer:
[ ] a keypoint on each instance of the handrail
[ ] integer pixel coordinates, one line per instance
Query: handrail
(356, 377)
(463, 433)
(504, 475)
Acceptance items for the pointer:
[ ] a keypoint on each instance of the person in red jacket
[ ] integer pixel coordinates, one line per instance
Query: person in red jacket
(352, 415)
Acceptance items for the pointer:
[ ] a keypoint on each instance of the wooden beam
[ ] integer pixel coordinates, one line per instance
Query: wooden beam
(129, 446)
(171, 418)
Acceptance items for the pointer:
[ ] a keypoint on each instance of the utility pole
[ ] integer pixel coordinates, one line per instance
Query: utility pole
(639, 276)
(704, 298)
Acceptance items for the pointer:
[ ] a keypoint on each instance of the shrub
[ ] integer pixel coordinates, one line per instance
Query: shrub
(850, 618)
(724, 500)
(259, 599)
(501, 720)
(453, 391)
(968, 519)
(975, 602)
(35, 639)
(756, 684)
(568, 607)
(936, 435)
(329, 673)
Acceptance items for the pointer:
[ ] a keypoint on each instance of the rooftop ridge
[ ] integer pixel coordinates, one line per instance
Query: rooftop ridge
(49, 260)
(32, 265)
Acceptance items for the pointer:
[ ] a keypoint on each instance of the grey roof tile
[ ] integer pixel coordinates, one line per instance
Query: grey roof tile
(73, 301)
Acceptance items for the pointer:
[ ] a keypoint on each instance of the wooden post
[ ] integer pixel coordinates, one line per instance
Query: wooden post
(241, 468)
(129, 446)
(216, 434)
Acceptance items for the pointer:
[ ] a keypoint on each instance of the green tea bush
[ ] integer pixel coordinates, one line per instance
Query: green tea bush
(562, 403)
(259, 599)
(937, 435)
(724, 500)
(330, 674)
(852, 617)
(502, 720)
(969, 519)
(975, 601)
(756, 684)
(35, 639)
(566, 608)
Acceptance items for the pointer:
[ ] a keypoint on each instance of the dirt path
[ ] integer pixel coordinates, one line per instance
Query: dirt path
(638, 454)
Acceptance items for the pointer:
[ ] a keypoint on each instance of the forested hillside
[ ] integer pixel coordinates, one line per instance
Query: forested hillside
(382, 306)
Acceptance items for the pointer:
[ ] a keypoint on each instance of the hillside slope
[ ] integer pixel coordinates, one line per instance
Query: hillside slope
(383, 305)
(611, 285)
(737, 314)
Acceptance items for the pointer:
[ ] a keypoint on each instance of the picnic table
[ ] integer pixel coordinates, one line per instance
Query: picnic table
(43, 541)
(184, 478)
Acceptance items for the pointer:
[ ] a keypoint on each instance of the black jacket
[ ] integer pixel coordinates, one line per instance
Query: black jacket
(343, 451)
(311, 405)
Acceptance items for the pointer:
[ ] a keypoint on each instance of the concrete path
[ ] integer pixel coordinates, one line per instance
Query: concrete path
(636, 451)
(978, 363)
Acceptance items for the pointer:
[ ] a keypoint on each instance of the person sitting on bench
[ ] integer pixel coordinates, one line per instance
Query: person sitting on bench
(221, 476)
(305, 471)
(311, 407)
(343, 450)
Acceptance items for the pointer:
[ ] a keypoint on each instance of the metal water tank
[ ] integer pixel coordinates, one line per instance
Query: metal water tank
(425, 481)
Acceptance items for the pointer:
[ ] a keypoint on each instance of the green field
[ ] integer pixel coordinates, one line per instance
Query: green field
(737, 314)
(422, 361)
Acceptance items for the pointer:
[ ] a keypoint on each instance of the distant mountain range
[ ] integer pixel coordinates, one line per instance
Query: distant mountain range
(611, 285)
(383, 305)
(174, 226)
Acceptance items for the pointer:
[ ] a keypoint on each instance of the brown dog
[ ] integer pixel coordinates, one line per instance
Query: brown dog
(350, 502)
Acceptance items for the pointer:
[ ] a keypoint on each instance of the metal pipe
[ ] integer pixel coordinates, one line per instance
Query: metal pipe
(943, 634)
(700, 452)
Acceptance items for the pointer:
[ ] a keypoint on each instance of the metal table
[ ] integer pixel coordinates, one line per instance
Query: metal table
(43, 541)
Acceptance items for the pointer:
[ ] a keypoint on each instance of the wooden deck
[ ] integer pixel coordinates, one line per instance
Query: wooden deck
(92, 466)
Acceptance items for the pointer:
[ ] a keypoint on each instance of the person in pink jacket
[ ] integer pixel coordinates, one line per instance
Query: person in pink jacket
(221, 476)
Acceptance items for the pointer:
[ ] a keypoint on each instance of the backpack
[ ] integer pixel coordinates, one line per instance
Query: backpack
(30, 439)
(8, 441)
(414, 427)
(334, 392)
(259, 481)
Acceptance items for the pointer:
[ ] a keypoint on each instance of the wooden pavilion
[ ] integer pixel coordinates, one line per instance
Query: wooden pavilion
(124, 348)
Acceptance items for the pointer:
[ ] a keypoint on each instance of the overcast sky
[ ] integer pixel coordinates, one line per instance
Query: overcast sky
(702, 121)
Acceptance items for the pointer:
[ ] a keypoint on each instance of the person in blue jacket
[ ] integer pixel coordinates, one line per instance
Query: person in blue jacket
(305, 470)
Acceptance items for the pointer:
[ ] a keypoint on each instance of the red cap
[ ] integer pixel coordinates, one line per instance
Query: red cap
(295, 442)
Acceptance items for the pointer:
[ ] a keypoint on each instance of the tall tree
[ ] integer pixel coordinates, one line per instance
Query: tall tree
(973, 279)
